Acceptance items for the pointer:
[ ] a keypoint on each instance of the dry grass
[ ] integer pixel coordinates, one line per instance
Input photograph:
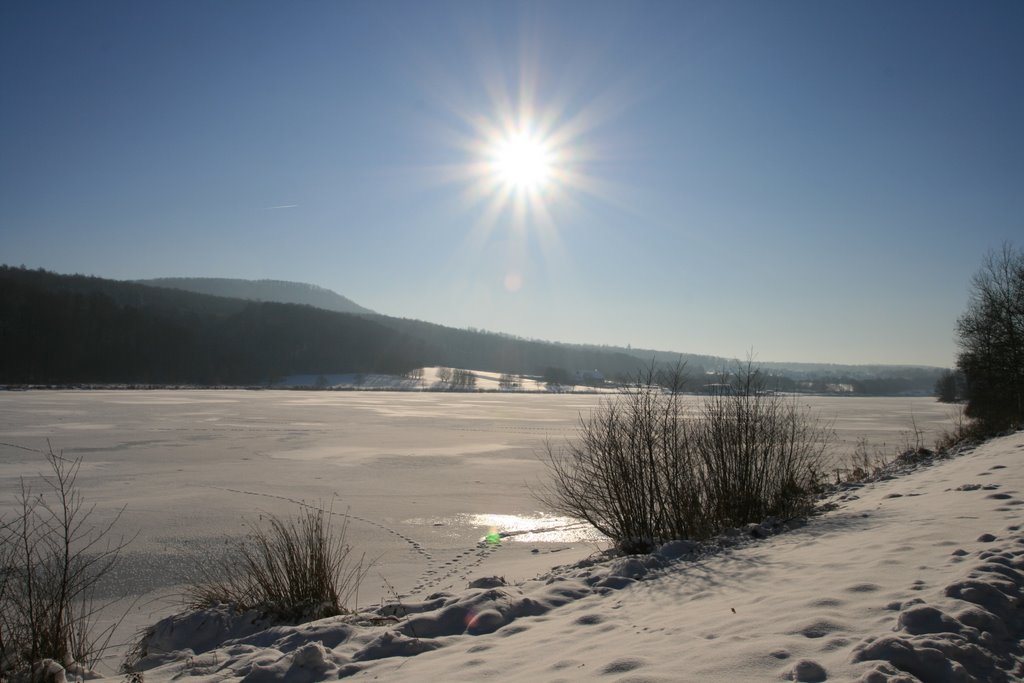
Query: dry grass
(866, 461)
(297, 569)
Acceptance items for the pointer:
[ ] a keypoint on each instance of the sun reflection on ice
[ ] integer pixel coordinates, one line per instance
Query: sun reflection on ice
(538, 528)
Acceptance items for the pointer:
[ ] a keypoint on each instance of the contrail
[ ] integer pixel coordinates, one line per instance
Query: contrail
(279, 206)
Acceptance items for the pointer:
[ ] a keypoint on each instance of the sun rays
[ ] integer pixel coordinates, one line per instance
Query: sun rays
(524, 156)
(524, 172)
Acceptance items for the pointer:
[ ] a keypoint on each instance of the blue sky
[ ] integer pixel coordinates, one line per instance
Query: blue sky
(813, 181)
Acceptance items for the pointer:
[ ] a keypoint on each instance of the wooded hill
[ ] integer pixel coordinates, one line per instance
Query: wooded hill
(58, 329)
(64, 329)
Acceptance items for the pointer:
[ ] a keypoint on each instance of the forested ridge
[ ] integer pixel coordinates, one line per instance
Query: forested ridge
(70, 329)
(496, 352)
(58, 329)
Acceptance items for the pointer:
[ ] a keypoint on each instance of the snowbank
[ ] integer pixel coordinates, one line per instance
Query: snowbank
(917, 577)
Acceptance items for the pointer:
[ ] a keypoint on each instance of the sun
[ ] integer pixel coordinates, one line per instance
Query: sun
(521, 160)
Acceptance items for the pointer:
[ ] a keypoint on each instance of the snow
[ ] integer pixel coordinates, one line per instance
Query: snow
(918, 577)
(423, 481)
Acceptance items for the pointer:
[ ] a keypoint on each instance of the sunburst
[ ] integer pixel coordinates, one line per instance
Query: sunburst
(522, 161)
(529, 166)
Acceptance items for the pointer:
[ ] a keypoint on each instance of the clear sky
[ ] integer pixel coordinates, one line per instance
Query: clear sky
(815, 181)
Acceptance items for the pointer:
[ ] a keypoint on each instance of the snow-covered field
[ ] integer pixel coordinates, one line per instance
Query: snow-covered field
(424, 477)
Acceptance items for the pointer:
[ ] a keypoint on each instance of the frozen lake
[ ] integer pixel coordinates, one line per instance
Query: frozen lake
(424, 476)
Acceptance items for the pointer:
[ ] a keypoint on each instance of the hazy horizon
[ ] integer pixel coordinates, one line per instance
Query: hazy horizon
(816, 182)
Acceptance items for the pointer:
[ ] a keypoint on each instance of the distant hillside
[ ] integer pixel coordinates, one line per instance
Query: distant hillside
(481, 350)
(917, 376)
(76, 329)
(279, 291)
(57, 329)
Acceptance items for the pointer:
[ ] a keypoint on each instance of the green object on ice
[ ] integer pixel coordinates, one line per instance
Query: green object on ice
(493, 538)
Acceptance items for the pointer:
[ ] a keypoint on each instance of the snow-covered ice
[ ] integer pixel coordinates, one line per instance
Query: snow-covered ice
(423, 477)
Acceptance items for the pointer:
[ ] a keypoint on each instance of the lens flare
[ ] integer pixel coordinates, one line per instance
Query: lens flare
(513, 281)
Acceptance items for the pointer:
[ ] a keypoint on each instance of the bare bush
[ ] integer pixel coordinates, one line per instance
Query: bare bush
(761, 451)
(867, 460)
(296, 569)
(52, 557)
(964, 431)
(645, 470)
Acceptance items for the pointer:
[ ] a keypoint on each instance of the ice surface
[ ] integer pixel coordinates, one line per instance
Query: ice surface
(424, 476)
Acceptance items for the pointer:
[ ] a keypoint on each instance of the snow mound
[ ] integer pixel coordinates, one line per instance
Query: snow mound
(978, 642)
(220, 641)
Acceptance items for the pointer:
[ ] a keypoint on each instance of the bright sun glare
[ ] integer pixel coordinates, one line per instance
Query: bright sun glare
(521, 161)
(526, 168)
(530, 161)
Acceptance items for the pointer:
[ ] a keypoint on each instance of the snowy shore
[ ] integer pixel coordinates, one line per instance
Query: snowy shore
(916, 577)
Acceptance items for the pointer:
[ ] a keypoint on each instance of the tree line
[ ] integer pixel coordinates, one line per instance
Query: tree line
(58, 329)
(990, 334)
(70, 329)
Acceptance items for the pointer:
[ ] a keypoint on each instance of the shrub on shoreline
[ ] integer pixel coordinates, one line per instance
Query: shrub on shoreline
(645, 470)
(52, 556)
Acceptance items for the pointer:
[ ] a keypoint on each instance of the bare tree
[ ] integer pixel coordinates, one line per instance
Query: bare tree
(464, 380)
(991, 339)
(674, 378)
(948, 387)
